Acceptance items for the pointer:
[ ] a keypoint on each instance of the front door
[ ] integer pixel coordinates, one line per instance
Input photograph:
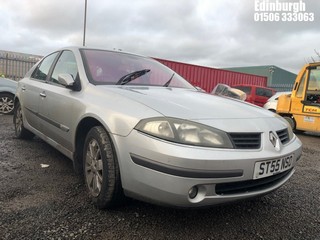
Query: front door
(57, 105)
(306, 103)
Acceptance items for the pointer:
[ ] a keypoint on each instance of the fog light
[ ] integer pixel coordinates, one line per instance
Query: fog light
(193, 192)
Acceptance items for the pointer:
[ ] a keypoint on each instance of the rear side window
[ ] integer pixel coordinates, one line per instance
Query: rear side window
(42, 70)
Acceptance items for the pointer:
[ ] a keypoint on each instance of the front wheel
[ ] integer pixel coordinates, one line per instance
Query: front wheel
(291, 122)
(19, 128)
(101, 169)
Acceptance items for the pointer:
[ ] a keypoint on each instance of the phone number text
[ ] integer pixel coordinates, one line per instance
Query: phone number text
(284, 17)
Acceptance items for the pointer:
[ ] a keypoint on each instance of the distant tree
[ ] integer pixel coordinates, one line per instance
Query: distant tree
(318, 54)
(312, 59)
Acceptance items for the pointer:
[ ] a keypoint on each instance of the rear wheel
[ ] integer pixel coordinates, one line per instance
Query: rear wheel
(101, 169)
(6, 103)
(20, 130)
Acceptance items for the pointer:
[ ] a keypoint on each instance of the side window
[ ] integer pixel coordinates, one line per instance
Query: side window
(245, 89)
(314, 80)
(268, 93)
(313, 90)
(65, 64)
(260, 92)
(42, 70)
(301, 86)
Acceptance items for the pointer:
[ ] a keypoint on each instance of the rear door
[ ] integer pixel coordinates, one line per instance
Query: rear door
(31, 90)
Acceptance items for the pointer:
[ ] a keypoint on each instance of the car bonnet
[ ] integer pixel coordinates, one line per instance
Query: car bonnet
(190, 104)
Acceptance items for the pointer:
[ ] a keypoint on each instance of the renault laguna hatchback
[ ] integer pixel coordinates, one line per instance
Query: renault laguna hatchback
(135, 128)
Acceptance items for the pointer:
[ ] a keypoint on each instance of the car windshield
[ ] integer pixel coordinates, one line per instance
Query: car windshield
(111, 68)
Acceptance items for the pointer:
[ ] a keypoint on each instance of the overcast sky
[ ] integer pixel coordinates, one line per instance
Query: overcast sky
(215, 33)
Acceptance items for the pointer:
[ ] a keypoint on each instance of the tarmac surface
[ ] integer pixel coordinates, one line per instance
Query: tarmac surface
(42, 198)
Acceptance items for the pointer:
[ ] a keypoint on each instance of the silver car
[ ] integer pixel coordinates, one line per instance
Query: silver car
(8, 89)
(135, 128)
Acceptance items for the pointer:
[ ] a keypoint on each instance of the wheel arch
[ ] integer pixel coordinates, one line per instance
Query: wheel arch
(82, 130)
(290, 118)
(7, 92)
(16, 100)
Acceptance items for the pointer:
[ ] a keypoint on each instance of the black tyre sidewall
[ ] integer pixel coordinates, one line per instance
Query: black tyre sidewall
(110, 193)
(24, 133)
(291, 122)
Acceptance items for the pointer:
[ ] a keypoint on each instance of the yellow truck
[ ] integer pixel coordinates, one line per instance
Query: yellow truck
(301, 108)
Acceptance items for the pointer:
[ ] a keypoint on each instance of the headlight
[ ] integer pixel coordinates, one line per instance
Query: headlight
(184, 132)
(290, 131)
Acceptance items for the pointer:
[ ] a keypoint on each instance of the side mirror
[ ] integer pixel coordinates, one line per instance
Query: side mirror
(66, 80)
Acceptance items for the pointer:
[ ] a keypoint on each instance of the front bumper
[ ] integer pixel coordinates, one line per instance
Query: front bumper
(166, 173)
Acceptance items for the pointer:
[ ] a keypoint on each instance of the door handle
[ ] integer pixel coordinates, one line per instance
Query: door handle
(23, 88)
(43, 94)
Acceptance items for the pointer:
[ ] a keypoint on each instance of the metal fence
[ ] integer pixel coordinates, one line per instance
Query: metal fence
(282, 87)
(15, 65)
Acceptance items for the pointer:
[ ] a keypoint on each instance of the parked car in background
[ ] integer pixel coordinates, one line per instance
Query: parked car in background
(272, 102)
(227, 91)
(133, 127)
(257, 95)
(8, 89)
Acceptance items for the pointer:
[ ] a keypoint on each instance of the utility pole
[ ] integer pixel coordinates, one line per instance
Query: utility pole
(85, 23)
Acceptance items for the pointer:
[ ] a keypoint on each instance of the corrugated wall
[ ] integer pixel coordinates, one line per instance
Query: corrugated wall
(207, 78)
(15, 65)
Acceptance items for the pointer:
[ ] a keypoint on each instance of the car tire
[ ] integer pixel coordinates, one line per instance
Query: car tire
(6, 103)
(101, 169)
(291, 122)
(20, 131)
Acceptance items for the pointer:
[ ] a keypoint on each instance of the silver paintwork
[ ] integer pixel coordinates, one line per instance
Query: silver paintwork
(53, 113)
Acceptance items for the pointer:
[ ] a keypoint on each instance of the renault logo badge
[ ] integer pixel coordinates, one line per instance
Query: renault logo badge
(274, 140)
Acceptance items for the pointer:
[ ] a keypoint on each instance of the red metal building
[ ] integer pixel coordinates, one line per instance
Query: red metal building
(207, 78)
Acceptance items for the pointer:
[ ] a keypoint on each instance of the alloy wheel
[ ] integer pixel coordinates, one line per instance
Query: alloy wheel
(94, 168)
(6, 105)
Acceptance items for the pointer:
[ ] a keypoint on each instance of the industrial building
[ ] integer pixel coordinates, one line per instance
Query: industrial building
(207, 78)
(277, 78)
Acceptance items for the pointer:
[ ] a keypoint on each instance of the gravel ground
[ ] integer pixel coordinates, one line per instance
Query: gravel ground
(50, 202)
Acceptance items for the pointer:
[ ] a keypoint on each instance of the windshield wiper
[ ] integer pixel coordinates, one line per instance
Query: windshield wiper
(131, 76)
(169, 81)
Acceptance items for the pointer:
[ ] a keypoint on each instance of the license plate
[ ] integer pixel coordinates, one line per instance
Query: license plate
(271, 167)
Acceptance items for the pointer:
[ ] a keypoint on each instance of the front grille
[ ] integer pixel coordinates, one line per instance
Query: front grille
(250, 185)
(246, 140)
(283, 136)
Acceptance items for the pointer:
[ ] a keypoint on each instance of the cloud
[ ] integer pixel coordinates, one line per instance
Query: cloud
(211, 33)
